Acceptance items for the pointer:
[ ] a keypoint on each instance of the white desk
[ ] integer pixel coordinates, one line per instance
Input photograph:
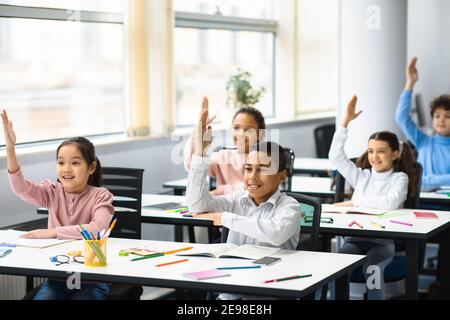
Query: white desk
(422, 229)
(176, 219)
(313, 186)
(324, 267)
(434, 198)
(312, 166)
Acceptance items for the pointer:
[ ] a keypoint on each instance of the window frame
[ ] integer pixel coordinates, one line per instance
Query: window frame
(59, 14)
(203, 21)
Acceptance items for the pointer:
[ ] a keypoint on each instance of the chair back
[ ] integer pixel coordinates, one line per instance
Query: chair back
(126, 186)
(323, 136)
(290, 159)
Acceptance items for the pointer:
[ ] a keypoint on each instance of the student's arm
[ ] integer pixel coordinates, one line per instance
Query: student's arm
(189, 149)
(30, 192)
(435, 181)
(337, 154)
(391, 199)
(280, 228)
(403, 111)
(102, 213)
(197, 192)
(10, 141)
(198, 197)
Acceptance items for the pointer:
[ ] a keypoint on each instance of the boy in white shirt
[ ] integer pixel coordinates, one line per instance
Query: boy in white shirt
(261, 215)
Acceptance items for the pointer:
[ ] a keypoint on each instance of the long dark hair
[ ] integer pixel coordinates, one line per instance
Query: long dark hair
(87, 151)
(404, 163)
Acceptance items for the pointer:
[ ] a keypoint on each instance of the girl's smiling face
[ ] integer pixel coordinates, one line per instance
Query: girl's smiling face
(244, 132)
(380, 155)
(72, 169)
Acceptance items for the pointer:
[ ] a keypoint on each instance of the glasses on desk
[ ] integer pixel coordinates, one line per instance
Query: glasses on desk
(309, 219)
(63, 259)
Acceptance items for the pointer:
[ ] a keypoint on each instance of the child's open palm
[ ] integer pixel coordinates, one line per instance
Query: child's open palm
(351, 113)
(412, 75)
(203, 130)
(8, 131)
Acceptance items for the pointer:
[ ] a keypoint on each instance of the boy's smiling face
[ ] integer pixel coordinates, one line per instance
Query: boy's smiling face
(441, 122)
(261, 176)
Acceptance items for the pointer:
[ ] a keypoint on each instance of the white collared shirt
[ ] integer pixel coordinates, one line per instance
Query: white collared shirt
(274, 223)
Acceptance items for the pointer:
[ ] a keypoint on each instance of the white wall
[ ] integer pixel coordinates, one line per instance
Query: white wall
(429, 40)
(155, 156)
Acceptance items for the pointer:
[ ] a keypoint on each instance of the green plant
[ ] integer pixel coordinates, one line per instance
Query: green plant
(241, 92)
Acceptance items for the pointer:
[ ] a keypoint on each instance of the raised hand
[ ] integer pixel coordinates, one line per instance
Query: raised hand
(412, 75)
(10, 141)
(350, 113)
(8, 131)
(203, 130)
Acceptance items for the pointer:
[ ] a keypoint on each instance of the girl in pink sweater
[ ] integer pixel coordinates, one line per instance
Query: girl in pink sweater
(75, 198)
(228, 165)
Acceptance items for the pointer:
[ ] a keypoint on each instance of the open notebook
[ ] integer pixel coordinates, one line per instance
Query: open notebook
(229, 250)
(329, 208)
(12, 237)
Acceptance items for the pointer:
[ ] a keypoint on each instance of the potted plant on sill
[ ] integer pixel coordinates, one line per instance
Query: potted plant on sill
(240, 92)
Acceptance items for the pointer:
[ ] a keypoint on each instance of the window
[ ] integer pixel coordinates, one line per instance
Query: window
(318, 55)
(62, 70)
(212, 40)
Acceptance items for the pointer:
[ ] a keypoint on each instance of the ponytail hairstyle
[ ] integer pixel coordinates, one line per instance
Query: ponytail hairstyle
(87, 151)
(404, 163)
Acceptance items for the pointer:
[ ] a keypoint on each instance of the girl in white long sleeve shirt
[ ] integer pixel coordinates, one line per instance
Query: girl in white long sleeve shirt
(380, 179)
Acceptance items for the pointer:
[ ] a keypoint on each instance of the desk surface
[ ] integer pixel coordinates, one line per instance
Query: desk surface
(420, 229)
(313, 186)
(325, 267)
(312, 165)
(160, 216)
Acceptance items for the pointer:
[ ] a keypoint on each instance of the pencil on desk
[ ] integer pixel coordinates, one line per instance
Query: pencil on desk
(171, 262)
(177, 250)
(155, 255)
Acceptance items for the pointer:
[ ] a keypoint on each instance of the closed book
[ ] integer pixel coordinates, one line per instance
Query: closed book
(425, 215)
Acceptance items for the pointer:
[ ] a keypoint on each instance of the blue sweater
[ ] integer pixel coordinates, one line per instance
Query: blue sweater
(434, 151)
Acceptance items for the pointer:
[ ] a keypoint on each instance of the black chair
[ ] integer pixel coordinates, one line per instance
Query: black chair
(290, 159)
(126, 186)
(311, 215)
(323, 136)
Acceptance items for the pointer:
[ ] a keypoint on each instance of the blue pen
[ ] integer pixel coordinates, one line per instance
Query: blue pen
(82, 234)
(243, 267)
(86, 234)
(98, 235)
(9, 245)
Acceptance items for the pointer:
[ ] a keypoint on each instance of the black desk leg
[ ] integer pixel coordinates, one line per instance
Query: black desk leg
(412, 268)
(191, 234)
(30, 283)
(178, 233)
(444, 264)
(343, 288)
(178, 192)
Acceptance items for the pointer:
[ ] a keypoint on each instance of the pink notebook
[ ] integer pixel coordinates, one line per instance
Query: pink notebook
(425, 215)
(207, 274)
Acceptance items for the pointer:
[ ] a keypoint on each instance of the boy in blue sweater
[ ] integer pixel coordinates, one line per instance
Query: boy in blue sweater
(433, 151)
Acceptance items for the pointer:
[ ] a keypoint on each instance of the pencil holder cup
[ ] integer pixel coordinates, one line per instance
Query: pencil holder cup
(95, 253)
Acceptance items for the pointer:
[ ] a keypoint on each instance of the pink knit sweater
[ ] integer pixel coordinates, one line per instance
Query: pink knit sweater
(91, 208)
